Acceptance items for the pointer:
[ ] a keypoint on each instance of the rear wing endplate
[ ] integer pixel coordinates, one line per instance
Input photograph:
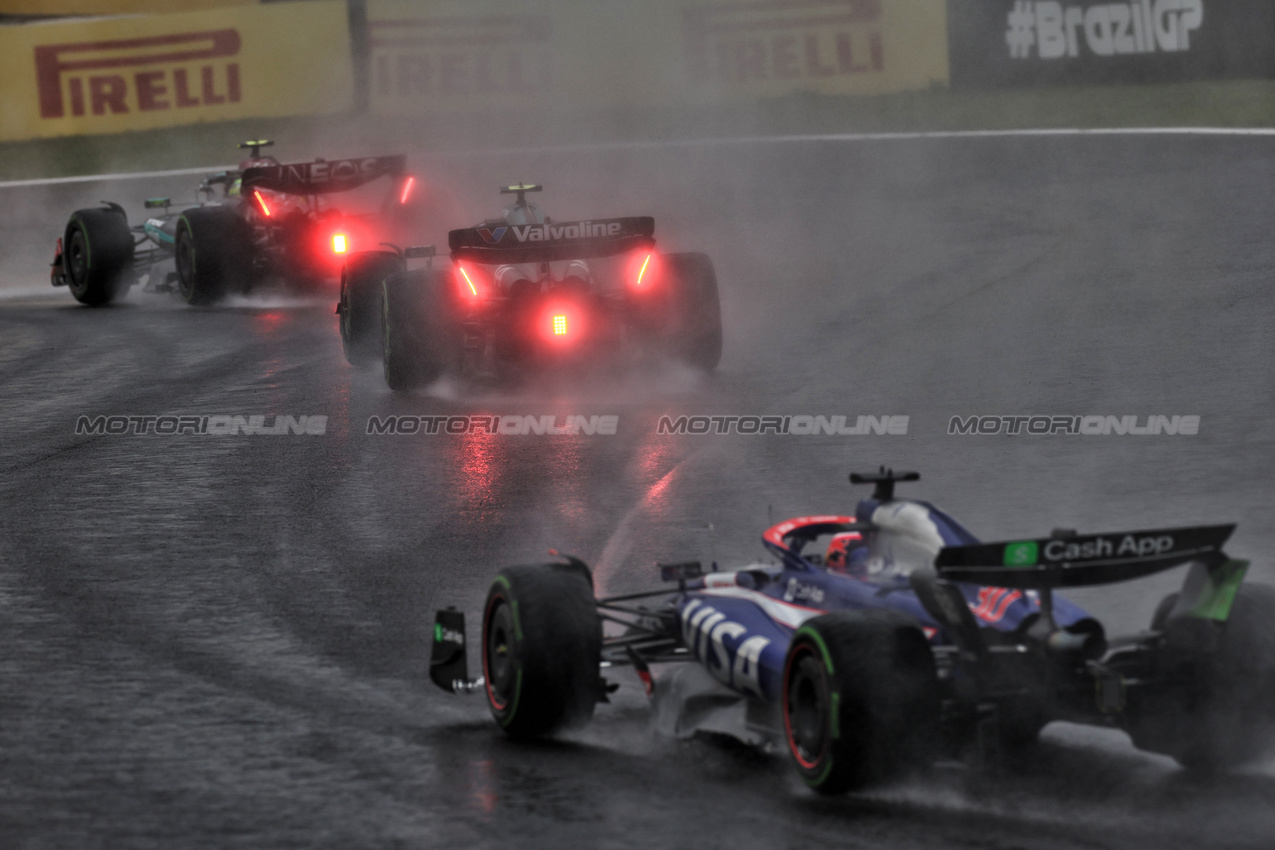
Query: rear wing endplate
(534, 243)
(323, 176)
(1209, 590)
(1070, 560)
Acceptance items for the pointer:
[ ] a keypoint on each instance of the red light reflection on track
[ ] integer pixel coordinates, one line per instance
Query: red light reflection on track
(481, 779)
(268, 326)
(268, 322)
(480, 462)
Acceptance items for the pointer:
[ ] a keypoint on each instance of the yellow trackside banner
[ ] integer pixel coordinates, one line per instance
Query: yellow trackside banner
(773, 47)
(112, 7)
(110, 75)
(488, 54)
(460, 54)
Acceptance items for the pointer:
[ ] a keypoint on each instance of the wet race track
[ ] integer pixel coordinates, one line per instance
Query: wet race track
(222, 641)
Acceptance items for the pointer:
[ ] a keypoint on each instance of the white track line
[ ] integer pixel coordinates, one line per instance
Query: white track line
(884, 137)
(727, 141)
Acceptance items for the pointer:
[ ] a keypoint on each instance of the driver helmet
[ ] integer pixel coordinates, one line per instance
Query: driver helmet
(257, 162)
(236, 187)
(523, 214)
(845, 550)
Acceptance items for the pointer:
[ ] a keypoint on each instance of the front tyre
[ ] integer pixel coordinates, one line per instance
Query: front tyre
(359, 307)
(541, 649)
(860, 699)
(213, 254)
(97, 255)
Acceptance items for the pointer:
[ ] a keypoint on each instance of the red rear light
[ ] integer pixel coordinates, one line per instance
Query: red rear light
(407, 190)
(562, 324)
(338, 244)
(261, 202)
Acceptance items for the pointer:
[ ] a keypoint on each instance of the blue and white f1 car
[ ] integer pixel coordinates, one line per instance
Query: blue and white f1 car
(904, 640)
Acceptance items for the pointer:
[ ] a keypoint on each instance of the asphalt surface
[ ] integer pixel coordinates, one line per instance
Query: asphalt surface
(222, 641)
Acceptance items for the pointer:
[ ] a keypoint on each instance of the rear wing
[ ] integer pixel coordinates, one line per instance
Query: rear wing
(1070, 560)
(1067, 559)
(323, 176)
(534, 243)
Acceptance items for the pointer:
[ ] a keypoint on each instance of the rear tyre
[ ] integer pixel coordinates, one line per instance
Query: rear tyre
(359, 307)
(1018, 729)
(213, 254)
(1223, 717)
(695, 310)
(97, 255)
(860, 700)
(421, 329)
(541, 649)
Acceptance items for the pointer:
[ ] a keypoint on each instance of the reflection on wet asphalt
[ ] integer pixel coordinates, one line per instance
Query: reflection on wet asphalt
(221, 641)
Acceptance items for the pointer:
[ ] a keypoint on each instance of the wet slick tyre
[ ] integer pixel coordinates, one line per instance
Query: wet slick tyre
(359, 307)
(859, 699)
(1223, 718)
(695, 310)
(421, 330)
(541, 648)
(97, 255)
(213, 254)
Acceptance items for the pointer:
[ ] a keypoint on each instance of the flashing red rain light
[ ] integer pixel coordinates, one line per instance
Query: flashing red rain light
(559, 325)
(473, 290)
(261, 202)
(407, 190)
(338, 243)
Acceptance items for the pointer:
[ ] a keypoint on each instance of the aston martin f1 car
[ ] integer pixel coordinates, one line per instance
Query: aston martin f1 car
(904, 641)
(523, 291)
(264, 220)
